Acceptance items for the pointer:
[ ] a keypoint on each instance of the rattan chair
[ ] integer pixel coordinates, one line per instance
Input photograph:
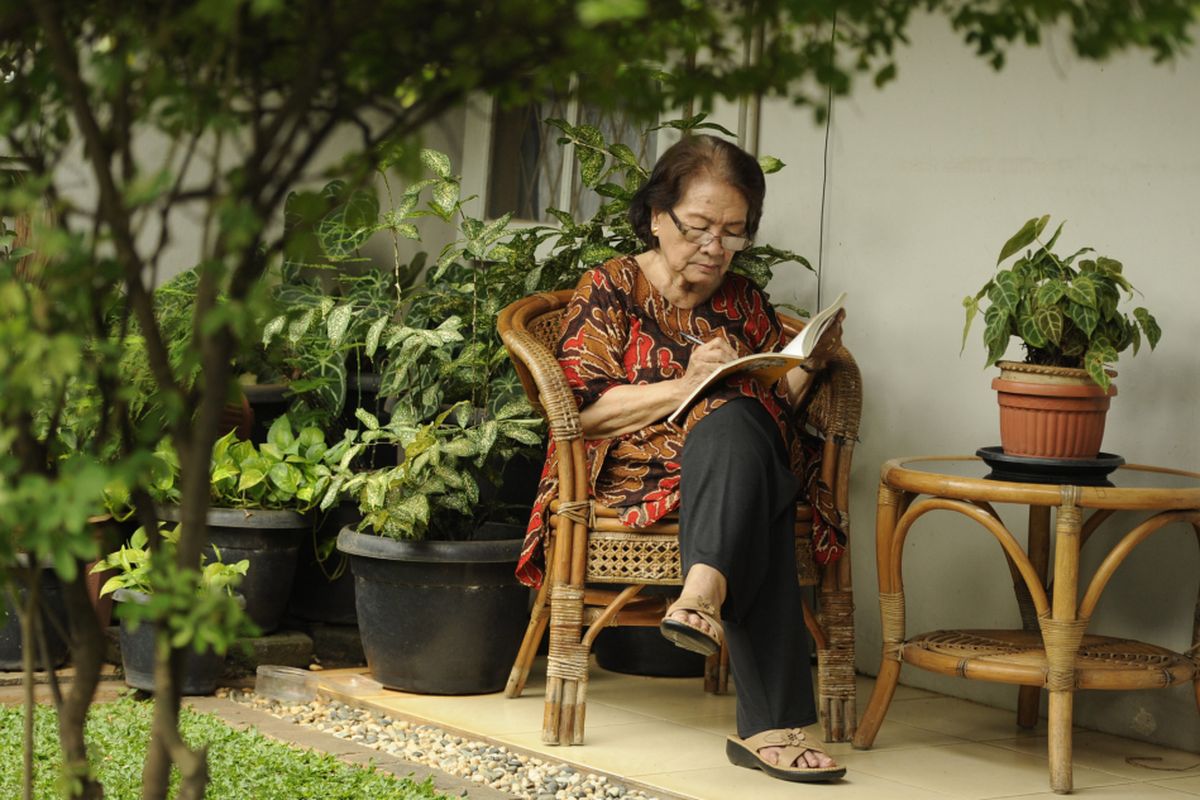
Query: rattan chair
(588, 545)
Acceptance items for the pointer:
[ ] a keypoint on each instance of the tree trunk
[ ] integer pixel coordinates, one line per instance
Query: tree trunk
(28, 620)
(87, 656)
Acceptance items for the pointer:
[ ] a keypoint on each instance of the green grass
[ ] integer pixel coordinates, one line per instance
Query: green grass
(240, 764)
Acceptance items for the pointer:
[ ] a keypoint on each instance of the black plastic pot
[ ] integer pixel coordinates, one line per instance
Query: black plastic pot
(52, 606)
(644, 651)
(201, 671)
(315, 597)
(438, 617)
(268, 402)
(270, 540)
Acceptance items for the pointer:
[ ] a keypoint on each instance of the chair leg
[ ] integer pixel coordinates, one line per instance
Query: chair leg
(539, 616)
(566, 668)
(835, 671)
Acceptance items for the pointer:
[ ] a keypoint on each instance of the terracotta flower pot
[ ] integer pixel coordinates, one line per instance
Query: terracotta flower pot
(1050, 412)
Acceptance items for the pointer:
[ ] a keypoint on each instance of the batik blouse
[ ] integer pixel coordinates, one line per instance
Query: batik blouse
(618, 329)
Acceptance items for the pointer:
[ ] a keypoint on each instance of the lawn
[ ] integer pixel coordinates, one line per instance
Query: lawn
(241, 764)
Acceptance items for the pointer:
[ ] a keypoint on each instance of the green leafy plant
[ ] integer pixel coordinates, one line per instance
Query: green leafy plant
(434, 492)
(132, 563)
(197, 608)
(288, 471)
(1063, 309)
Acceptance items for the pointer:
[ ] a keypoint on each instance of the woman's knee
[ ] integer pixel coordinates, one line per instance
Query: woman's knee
(739, 430)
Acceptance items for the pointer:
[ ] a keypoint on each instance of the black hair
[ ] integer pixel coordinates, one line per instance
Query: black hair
(684, 160)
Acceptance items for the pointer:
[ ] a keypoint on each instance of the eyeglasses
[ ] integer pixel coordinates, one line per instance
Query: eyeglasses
(702, 238)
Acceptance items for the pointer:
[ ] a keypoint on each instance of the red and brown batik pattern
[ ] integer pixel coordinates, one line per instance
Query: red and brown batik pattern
(619, 330)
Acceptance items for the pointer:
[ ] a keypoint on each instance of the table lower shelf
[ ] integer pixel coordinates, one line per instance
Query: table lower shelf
(1017, 656)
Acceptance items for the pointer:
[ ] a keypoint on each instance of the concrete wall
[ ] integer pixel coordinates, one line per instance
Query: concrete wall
(926, 180)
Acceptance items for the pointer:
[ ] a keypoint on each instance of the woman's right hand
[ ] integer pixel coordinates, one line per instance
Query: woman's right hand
(705, 359)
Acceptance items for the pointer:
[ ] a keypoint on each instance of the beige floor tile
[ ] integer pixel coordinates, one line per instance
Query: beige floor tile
(735, 783)
(494, 714)
(662, 698)
(635, 750)
(1188, 785)
(1105, 752)
(973, 770)
(865, 684)
(1129, 791)
(961, 718)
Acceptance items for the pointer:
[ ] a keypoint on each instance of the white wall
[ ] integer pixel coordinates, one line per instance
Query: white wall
(927, 178)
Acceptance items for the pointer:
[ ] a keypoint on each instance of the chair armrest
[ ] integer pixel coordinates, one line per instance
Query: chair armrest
(549, 391)
(836, 403)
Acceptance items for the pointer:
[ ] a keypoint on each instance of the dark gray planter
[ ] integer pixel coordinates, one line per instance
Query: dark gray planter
(315, 597)
(52, 605)
(437, 617)
(270, 540)
(201, 671)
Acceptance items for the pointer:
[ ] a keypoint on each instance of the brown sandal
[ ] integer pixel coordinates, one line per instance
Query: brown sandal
(744, 753)
(687, 636)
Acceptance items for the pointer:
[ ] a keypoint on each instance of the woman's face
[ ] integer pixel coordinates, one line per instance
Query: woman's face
(709, 204)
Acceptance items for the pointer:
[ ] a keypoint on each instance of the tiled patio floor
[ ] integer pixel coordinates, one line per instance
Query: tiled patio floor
(668, 736)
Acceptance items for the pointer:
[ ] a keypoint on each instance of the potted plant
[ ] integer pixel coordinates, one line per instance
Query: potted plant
(262, 496)
(131, 586)
(1064, 310)
(419, 549)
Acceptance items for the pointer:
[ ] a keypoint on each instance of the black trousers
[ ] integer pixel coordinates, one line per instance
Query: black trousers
(737, 514)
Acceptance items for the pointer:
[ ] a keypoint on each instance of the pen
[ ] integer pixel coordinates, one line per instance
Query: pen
(691, 338)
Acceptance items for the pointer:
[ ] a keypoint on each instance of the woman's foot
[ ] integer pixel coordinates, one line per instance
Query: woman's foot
(693, 621)
(810, 758)
(786, 753)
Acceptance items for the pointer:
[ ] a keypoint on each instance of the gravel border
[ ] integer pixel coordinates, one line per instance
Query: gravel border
(510, 771)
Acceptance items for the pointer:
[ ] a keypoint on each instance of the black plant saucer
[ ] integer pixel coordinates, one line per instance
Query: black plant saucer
(1026, 469)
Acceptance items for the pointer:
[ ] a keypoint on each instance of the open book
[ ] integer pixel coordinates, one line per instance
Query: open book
(767, 368)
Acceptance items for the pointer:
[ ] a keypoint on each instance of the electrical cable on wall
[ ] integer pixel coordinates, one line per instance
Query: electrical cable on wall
(825, 168)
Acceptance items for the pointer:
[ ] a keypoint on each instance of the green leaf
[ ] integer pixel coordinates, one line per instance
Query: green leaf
(280, 433)
(1050, 322)
(1096, 359)
(770, 164)
(1006, 291)
(337, 323)
(371, 341)
(367, 418)
(1082, 290)
(272, 329)
(1050, 292)
(996, 333)
(1149, 325)
(250, 478)
(1085, 318)
(445, 197)
(971, 307)
(1022, 238)
(1030, 332)
(437, 163)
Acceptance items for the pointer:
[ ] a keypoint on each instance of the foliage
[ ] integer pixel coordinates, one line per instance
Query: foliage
(217, 111)
(1063, 309)
(132, 563)
(290, 470)
(434, 492)
(193, 607)
(242, 763)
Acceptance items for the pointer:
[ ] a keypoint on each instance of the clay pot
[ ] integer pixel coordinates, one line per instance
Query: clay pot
(1050, 412)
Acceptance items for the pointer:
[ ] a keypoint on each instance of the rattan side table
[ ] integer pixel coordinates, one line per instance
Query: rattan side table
(1053, 649)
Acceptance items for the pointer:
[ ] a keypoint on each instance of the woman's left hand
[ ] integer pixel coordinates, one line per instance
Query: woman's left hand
(828, 345)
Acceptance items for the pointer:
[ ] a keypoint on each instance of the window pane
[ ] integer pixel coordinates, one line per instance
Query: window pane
(525, 173)
(525, 169)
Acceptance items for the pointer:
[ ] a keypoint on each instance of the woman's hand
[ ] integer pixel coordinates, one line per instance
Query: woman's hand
(624, 409)
(799, 380)
(827, 346)
(706, 359)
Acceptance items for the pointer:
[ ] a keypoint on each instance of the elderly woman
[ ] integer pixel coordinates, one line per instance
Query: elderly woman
(640, 333)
